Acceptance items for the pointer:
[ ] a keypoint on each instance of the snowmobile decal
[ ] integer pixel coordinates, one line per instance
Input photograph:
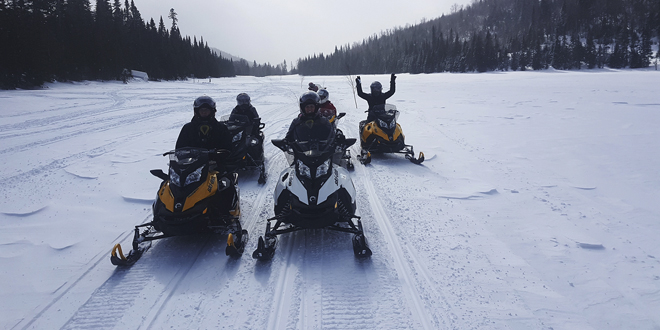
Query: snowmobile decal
(200, 194)
(165, 196)
(372, 127)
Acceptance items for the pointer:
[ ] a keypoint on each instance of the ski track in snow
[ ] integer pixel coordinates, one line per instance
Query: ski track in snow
(405, 263)
(57, 303)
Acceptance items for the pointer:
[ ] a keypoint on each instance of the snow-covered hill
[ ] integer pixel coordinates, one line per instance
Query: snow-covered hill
(537, 208)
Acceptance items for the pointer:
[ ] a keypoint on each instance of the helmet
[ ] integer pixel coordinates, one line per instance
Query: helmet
(204, 102)
(309, 98)
(243, 99)
(323, 95)
(376, 87)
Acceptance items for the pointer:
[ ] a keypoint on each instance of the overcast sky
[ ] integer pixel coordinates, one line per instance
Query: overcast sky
(277, 30)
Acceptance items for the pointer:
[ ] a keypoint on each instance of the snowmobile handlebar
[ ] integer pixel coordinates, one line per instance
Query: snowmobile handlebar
(282, 144)
(218, 152)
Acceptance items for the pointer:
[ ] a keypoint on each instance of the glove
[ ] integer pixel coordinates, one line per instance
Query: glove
(358, 80)
(393, 77)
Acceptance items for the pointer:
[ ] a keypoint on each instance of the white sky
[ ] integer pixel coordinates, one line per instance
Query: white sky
(277, 30)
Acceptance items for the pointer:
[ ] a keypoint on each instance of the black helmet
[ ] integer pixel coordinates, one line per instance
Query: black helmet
(376, 87)
(242, 99)
(204, 102)
(323, 95)
(309, 98)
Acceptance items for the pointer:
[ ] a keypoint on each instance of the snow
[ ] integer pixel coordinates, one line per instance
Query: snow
(536, 208)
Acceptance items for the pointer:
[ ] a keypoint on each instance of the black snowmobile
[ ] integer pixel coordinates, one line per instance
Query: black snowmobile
(384, 135)
(247, 149)
(313, 193)
(198, 196)
(342, 154)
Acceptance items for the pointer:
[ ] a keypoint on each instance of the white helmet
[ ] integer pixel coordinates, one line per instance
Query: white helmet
(323, 95)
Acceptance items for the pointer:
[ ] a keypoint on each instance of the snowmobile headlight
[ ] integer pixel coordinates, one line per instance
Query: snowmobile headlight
(175, 179)
(304, 170)
(194, 176)
(237, 137)
(323, 168)
(224, 182)
(254, 142)
(384, 124)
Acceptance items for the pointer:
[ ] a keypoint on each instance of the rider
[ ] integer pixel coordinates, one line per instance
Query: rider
(313, 87)
(309, 120)
(326, 108)
(244, 107)
(204, 131)
(377, 97)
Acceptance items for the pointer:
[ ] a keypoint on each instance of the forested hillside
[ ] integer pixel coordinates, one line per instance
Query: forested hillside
(46, 40)
(508, 35)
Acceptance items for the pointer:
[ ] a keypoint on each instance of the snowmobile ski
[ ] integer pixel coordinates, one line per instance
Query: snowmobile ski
(236, 244)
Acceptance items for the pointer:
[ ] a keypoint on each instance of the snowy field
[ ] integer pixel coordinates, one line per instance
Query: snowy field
(537, 208)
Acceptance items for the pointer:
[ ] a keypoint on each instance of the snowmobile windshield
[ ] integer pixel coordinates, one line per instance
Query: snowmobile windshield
(187, 156)
(314, 138)
(387, 115)
(237, 119)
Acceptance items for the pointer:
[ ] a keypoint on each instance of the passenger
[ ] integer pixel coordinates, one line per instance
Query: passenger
(326, 108)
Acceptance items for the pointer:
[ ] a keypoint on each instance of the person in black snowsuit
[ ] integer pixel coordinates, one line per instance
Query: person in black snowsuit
(204, 131)
(377, 97)
(310, 122)
(244, 107)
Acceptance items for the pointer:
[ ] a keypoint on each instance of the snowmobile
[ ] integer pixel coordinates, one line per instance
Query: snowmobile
(313, 193)
(342, 155)
(384, 135)
(198, 196)
(247, 150)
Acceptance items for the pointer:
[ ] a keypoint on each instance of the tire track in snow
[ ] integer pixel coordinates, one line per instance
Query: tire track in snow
(284, 295)
(349, 295)
(118, 296)
(100, 257)
(403, 261)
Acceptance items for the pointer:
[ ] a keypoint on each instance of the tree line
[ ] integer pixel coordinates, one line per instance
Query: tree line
(48, 40)
(504, 35)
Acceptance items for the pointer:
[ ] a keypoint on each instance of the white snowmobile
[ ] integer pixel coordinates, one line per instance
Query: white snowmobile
(313, 193)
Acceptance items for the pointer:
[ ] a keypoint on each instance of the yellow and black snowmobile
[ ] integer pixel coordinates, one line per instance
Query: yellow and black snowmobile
(384, 135)
(197, 197)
